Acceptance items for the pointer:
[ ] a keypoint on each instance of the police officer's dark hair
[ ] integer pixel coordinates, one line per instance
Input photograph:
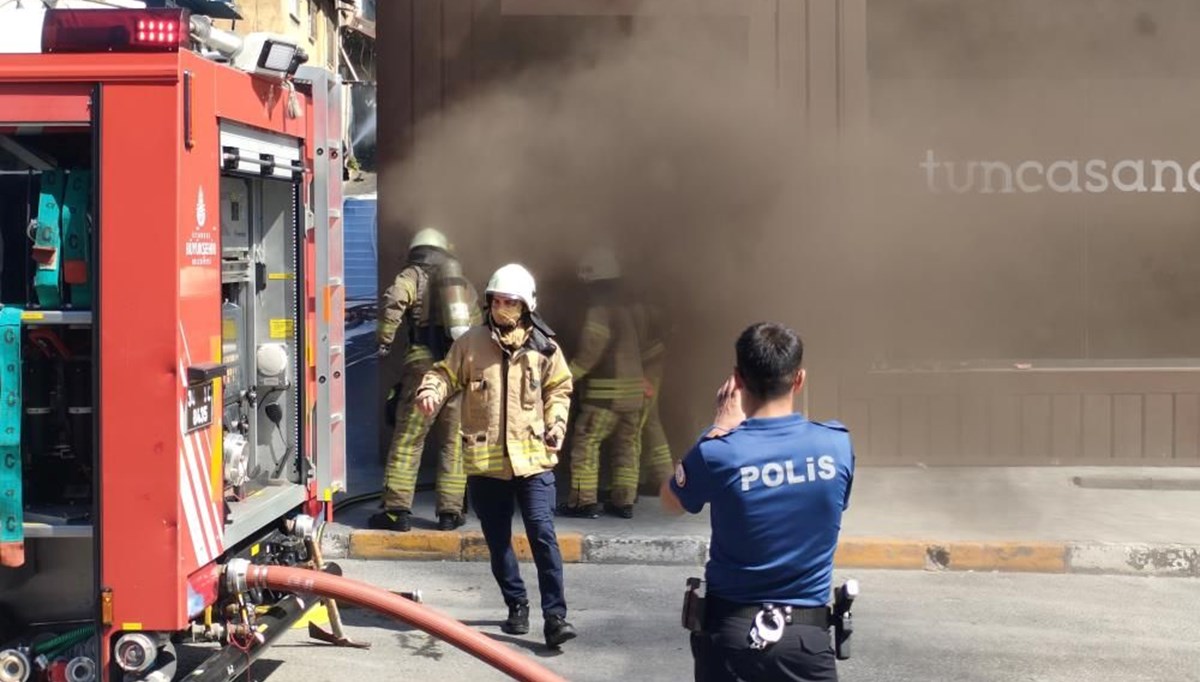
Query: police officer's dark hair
(768, 358)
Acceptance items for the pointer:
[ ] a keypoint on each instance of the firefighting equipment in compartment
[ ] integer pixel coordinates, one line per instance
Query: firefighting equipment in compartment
(76, 242)
(598, 265)
(237, 461)
(47, 239)
(514, 280)
(430, 236)
(272, 359)
(12, 530)
(608, 367)
(69, 656)
(60, 237)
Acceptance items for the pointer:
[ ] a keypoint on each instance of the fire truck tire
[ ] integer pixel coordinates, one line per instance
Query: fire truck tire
(301, 580)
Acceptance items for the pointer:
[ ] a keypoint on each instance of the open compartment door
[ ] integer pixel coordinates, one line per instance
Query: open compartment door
(48, 449)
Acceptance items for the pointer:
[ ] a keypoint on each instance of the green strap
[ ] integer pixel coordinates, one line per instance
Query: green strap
(11, 508)
(47, 239)
(76, 248)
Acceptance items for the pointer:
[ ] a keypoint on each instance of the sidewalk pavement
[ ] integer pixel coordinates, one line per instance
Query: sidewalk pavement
(1118, 520)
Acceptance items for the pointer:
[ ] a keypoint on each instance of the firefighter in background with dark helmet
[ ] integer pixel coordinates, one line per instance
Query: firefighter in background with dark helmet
(608, 367)
(435, 304)
(516, 397)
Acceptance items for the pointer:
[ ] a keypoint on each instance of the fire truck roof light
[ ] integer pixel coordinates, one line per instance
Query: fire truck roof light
(270, 55)
(115, 30)
(278, 56)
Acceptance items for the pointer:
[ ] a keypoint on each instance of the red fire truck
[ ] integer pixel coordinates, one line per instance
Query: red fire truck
(171, 369)
(171, 348)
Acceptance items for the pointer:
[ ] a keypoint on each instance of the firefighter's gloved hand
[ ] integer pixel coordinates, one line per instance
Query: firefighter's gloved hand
(427, 403)
(385, 349)
(555, 435)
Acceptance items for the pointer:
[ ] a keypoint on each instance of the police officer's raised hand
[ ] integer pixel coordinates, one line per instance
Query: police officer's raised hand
(729, 406)
(427, 403)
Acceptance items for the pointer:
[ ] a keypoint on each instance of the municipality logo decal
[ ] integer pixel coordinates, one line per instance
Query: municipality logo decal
(201, 211)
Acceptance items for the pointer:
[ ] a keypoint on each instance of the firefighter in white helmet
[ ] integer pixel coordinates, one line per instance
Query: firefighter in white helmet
(608, 368)
(516, 397)
(434, 303)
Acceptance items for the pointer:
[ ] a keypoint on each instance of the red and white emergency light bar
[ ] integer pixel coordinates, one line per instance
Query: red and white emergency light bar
(50, 31)
(34, 31)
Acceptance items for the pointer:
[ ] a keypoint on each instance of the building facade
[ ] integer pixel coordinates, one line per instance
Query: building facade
(1016, 214)
(314, 23)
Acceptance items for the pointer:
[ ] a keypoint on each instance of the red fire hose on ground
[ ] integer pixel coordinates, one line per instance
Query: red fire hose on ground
(470, 640)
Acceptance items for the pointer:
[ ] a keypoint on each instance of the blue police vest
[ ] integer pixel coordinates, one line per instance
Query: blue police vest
(777, 488)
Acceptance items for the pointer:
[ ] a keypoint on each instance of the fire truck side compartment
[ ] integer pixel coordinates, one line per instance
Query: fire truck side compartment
(47, 197)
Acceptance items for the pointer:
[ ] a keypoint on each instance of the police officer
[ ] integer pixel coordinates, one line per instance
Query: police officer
(777, 484)
(435, 304)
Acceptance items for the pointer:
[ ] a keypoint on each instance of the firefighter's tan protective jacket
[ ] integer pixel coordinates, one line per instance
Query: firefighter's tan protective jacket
(409, 294)
(418, 298)
(509, 401)
(609, 364)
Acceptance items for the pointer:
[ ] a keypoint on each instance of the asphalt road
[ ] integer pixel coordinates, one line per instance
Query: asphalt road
(909, 626)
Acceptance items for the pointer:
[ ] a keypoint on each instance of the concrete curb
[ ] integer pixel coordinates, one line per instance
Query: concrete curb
(1136, 559)
(886, 553)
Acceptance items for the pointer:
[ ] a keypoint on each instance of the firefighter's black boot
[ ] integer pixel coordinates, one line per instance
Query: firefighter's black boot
(517, 622)
(399, 520)
(583, 511)
(558, 631)
(624, 512)
(450, 520)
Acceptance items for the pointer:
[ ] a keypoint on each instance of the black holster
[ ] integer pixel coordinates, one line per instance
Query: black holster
(693, 606)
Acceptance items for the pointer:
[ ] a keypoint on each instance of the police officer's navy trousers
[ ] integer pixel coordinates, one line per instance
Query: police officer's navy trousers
(723, 654)
(494, 500)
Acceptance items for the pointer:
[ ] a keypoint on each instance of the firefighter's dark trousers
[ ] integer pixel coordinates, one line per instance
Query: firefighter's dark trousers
(408, 442)
(494, 500)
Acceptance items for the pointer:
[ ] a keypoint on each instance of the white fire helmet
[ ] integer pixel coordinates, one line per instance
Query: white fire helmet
(514, 280)
(599, 264)
(430, 236)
